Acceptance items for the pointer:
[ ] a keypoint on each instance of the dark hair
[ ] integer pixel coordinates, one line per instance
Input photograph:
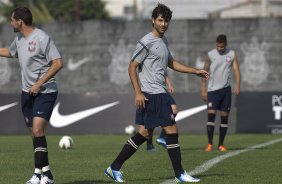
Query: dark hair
(162, 10)
(24, 14)
(221, 39)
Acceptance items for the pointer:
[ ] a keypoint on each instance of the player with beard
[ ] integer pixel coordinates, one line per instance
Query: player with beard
(39, 61)
(147, 70)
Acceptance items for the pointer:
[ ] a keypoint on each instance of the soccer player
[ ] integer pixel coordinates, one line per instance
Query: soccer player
(39, 61)
(219, 62)
(147, 73)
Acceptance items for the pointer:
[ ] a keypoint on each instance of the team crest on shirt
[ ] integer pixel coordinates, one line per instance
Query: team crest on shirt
(31, 46)
(228, 59)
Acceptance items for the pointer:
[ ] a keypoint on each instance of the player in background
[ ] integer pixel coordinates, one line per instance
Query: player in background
(147, 70)
(39, 62)
(219, 63)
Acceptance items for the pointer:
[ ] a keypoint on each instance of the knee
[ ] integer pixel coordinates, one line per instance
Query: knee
(37, 132)
(171, 129)
(211, 117)
(224, 120)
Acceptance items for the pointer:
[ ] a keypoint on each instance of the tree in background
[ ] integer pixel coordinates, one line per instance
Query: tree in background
(58, 10)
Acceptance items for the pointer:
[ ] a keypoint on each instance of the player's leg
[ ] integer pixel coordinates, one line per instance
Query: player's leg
(27, 105)
(175, 112)
(174, 153)
(212, 105)
(161, 140)
(150, 145)
(40, 148)
(224, 112)
(42, 110)
(210, 129)
(223, 130)
(127, 151)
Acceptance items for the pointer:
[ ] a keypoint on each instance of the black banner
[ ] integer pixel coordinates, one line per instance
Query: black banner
(100, 113)
(259, 112)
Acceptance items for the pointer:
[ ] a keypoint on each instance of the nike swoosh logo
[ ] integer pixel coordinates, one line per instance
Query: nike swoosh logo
(58, 120)
(75, 65)
(189, 112)
(4, 107)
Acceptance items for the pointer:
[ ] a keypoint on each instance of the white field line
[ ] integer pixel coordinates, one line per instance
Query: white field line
(210, 163)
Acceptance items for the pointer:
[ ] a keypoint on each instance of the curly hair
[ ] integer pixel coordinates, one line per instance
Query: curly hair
(163, 11)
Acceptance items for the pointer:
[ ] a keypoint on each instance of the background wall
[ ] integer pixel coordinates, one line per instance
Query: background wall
(96, 53)
(96, 56)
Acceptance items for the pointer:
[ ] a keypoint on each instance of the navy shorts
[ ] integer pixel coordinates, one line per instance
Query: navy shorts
(220, 99)
(157, 111)
(37, 106)
(171, 100)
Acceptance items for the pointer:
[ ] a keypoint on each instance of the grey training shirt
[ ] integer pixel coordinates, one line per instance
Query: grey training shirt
(35, 53)
(153, 55)
(220, 69)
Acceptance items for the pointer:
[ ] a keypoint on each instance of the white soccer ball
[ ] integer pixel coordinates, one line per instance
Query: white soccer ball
(129, 129)
(66, 142)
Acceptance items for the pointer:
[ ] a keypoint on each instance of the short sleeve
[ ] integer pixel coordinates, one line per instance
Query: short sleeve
(170, 58)
(51, 51)
(140, 53)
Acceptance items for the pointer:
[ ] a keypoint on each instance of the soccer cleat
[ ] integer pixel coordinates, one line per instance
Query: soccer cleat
(222, 148)
(184, 177)
(115, 175)
(33, 180)
(151, 148)
(46, 180)
(209, 148)
(161, 141)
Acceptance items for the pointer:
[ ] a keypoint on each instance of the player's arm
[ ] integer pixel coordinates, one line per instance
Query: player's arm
(204, 82)
(236, 75)
(177, 66)
(4, 52)
(57, 64)
(139, 96)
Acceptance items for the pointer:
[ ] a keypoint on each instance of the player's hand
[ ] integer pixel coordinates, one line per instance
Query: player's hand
(237, 91)
(170, 89)
(203, 73)
(140, 100)
(34, 90)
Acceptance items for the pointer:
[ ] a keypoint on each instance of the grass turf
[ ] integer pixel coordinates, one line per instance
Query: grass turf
(85, 163)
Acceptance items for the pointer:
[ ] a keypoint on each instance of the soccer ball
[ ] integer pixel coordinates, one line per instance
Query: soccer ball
(66, 142)
(129, 129)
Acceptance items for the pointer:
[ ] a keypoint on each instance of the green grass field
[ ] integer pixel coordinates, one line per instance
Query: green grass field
(85, 163)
